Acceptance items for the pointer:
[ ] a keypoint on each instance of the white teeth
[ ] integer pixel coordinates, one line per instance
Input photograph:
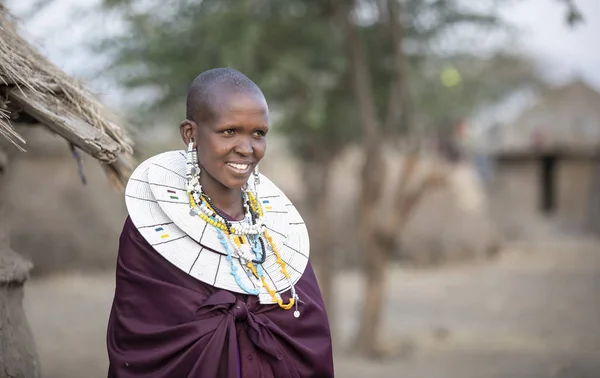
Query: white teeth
(241, 167)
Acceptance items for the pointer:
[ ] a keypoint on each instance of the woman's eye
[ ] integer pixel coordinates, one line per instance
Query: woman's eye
(228, 132)
(259, 133)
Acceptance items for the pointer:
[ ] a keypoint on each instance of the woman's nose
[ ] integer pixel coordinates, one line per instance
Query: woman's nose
(244, 147)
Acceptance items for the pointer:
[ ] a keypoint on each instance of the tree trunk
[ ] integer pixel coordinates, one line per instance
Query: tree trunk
(381, 234)
(379, 243)
(367, 340)
(372, 178)
(317, 181)
(18, 357)
(378, 237)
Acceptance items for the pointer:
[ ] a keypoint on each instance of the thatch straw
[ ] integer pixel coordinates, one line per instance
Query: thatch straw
(25, 70)
(564, 119)
(7, 131)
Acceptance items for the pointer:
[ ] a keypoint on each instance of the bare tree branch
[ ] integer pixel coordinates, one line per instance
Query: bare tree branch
(361, 79)
(574, 15)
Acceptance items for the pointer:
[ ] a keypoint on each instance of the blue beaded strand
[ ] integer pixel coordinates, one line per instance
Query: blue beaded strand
(258, 253)
(238, 280)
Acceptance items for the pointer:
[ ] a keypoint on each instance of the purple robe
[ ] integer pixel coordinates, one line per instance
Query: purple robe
(165, 323)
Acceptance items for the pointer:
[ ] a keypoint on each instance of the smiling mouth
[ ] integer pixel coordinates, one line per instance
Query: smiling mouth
(241, 168)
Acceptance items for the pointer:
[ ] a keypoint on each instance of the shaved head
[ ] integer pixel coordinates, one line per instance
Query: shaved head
(206, 88)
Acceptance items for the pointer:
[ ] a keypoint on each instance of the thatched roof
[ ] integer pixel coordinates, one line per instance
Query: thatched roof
(35, 90)
(565, 120)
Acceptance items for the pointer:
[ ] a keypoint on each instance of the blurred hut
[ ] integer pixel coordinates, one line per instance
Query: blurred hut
(546, 163)
(35, 92)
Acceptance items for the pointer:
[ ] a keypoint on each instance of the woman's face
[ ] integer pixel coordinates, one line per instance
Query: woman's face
(234, 141)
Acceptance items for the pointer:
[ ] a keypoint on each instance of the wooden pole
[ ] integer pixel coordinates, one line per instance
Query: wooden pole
(18, 356)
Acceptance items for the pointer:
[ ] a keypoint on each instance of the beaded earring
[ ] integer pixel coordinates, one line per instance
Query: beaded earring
(192, 174)
(256, 179)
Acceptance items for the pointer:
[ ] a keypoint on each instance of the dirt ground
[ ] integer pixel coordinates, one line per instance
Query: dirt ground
(532, 313)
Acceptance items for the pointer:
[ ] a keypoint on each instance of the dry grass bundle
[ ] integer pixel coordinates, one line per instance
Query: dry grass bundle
(31, 84)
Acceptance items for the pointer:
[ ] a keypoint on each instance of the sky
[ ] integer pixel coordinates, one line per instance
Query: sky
(563, 53)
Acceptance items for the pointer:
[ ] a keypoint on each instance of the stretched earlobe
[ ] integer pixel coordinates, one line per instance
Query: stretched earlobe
(187, 130)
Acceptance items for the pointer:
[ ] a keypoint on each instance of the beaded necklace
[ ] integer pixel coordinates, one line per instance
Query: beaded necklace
(244, 240)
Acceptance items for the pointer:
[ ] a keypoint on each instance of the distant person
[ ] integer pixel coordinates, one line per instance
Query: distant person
(213, 278)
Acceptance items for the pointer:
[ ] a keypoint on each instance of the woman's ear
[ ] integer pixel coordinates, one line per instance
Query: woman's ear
(188, 129)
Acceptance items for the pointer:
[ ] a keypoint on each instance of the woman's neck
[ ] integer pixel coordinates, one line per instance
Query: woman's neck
(227, 200)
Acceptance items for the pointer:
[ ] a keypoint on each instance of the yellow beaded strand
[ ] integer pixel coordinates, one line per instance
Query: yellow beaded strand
(256, 206)
(272, 292)
(206, 218)
(276, 252)
(254, 203)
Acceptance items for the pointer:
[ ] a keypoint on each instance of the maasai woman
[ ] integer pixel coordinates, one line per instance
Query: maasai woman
(213, 278)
